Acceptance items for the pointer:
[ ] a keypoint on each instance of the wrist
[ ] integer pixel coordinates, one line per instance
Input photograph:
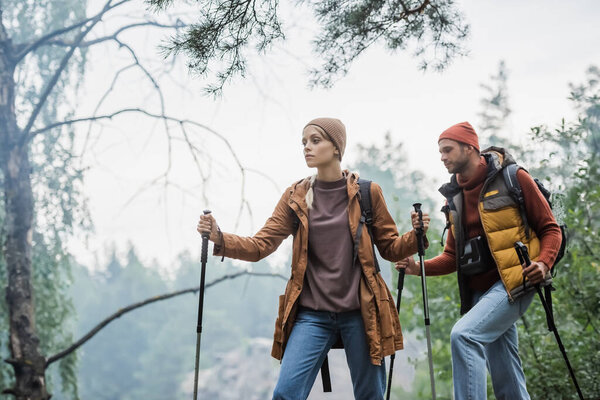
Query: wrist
(218, 240)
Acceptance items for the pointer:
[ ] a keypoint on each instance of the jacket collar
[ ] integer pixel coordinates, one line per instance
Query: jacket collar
(300, 188)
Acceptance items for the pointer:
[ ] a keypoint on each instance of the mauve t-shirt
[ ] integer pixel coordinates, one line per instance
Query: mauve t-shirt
(331, 282)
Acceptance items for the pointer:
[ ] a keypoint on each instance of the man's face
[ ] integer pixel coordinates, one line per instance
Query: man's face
(453, 155)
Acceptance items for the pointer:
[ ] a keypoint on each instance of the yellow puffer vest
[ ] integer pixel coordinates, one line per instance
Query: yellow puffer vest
(502, 223)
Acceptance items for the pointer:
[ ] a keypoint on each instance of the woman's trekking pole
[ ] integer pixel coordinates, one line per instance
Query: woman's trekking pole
(524, 259)
(421, 247)
(393, 356)
(203, 257)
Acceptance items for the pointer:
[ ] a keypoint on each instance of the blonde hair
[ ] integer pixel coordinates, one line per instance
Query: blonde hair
(310, 195)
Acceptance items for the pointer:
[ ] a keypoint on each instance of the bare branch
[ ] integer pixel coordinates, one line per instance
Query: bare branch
(57, 73)
(243, 201)
(193, 150)
(63, 43)
(143, 303)
(11, 391)
(25, 49)
(102, 98)
(149, 114)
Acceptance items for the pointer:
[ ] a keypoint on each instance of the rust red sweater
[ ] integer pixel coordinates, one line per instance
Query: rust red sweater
(539, 216)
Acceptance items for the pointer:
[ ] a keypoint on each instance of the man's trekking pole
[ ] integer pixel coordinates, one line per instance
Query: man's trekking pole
(421, 247)
(524, 259)
(203, 257)
(393, 356)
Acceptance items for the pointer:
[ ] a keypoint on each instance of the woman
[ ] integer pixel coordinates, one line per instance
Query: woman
(330, 293)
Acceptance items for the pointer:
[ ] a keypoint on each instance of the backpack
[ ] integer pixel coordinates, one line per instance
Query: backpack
(510, 178)
(366, 218)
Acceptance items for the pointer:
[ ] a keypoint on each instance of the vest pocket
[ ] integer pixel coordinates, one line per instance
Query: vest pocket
(497, 201)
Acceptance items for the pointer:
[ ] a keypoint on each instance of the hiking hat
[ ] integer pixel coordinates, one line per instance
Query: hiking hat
(334, 129)
(463, 133)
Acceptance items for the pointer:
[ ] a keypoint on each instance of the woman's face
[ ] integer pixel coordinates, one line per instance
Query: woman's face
(318, 149)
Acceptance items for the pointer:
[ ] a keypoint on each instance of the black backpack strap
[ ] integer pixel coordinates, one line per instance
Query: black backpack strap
(446, 210)
(325, 377)
(295, 222)
(366, 218)
(514, 188)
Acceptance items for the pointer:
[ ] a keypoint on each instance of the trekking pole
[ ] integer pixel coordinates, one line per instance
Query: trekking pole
(421, 247)
(523, 254)
(203, 257)
(393, 356)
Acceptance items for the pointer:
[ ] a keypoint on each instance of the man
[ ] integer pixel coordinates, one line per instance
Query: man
(485, 223)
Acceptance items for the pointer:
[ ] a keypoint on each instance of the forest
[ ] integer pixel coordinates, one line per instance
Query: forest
(123, 326)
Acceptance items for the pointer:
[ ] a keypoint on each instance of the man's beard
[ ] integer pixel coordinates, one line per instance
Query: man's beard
(460, 165)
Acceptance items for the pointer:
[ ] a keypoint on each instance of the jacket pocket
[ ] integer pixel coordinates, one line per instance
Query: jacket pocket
(387, 326)
(278, 335)
(386, 312)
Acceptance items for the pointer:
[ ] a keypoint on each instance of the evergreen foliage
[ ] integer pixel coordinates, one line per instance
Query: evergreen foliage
(216, 45)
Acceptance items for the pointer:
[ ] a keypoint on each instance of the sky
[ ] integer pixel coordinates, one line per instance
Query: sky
(545, 45)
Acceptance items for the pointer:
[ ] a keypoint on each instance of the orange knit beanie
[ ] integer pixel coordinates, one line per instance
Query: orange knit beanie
(462, 132)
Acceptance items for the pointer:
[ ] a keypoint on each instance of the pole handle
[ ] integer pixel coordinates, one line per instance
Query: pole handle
(522, 253)
(419, 230)
(206, 235)
(401, 274)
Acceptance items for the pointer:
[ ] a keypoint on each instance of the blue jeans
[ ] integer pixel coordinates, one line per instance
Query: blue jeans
(487, 335)
(312, 336)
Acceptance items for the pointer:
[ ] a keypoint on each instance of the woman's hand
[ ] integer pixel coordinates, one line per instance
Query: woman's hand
(415, 221)
(409, 265)
(207, 224)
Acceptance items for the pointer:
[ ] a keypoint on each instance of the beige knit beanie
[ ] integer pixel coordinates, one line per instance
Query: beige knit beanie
(334, 129)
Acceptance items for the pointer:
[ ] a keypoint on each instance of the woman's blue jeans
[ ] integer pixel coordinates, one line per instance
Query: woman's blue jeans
(312, 336)
(487, 336)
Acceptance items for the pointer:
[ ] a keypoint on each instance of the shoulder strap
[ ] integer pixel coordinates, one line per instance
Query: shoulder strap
(514, 188)
(295, 222)
(365, 201)
(366, 217)
(446, 210)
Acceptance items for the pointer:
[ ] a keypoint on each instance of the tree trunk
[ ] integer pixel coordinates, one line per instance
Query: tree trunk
(28, 364)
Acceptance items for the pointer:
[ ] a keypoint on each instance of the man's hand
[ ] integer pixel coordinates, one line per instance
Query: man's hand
(535, 272)
(409, 265)
(415, 221)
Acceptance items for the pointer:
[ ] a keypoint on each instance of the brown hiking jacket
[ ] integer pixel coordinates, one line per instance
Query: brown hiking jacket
(377, 305)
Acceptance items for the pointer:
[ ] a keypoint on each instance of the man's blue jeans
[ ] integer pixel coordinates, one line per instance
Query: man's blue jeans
(487, 335)
(313, 335)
